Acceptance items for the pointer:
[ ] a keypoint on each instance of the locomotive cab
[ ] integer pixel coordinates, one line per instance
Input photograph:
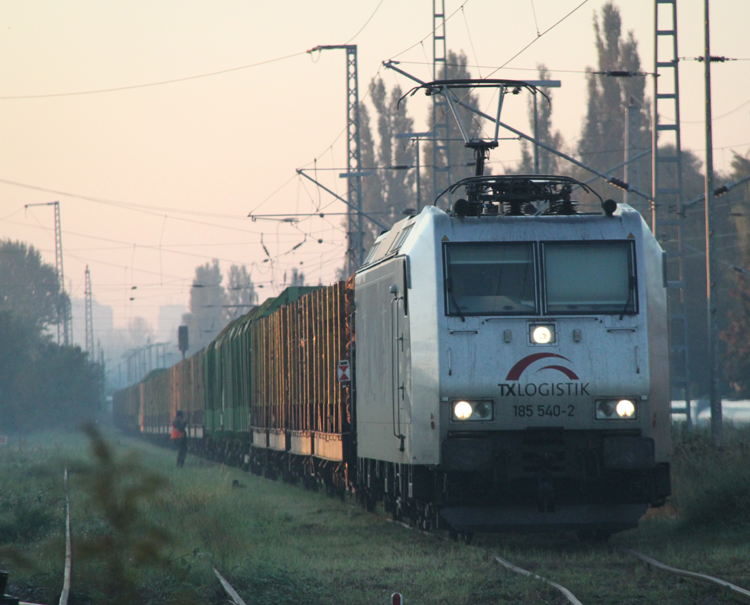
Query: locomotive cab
(512, 365)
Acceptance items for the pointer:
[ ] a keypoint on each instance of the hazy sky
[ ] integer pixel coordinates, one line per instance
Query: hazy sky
(154, 180)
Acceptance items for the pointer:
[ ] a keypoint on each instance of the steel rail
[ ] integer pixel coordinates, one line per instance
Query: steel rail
(566, 593)
(68, 552)
(237, 599)
(735, 591)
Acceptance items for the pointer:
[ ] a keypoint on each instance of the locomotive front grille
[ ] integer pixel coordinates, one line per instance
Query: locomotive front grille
(543, 453)
(581, 455)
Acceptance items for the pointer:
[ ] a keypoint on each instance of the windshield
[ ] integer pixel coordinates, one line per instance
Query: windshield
(490, 279)
(589, 277)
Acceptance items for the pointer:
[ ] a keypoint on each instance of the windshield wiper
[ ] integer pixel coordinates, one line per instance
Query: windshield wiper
(449, 286)
(631, 287)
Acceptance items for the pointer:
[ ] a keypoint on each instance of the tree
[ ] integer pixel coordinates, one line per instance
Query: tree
(17, 350)
(29, 288)
(396, 185)
(241, 294)
(602, 143)
(736, 360)
(371, 199)
(205, 318)
(603, 133)
(139, 333)
(298, 278)
(389, 191)
(42, 385)
(548, 162)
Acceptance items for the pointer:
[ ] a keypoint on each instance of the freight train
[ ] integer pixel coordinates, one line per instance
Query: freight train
(502, 364)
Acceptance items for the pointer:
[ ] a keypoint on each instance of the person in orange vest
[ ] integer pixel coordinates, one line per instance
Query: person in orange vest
(179, 437)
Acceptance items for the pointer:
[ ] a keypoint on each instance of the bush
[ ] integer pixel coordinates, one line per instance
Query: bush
(712, 486)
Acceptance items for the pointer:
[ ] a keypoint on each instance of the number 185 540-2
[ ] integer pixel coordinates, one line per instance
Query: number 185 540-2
(554, 410)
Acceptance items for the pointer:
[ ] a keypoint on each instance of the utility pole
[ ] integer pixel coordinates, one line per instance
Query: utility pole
(89, 316)
(711, 265)
(416, 136)
(632, 150)
(355, 231)
(64, 330)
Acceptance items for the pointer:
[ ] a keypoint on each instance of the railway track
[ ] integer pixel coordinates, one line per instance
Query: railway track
(68, 567)
(738, 593)
(68, 547)
(732, 590)
(727, 588)
(65, 594)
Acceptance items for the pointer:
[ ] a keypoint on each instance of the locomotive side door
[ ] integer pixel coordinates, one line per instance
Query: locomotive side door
(382, 358)
(400, 352)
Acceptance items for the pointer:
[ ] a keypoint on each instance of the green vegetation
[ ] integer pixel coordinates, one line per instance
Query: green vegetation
(712, 487)
(43, 385)
(147, 532)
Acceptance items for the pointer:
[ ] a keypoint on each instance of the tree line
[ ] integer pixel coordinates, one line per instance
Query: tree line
(213, 305)
(42, 384)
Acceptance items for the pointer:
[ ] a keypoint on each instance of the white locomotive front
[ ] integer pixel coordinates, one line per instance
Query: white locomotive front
(512, 363)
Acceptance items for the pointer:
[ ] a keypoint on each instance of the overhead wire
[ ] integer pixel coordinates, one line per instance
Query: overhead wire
(151, 84)
(448, 18)
(142, 209)
(471, 41)
(539, 36)
(495, 67)
(366, 22)
(713, 119)
(128, 244)
(536, 23)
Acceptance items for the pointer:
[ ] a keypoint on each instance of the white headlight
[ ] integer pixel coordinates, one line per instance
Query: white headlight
(625, 408)
(542, 334)
(615, 409)
(479, 410)
(462, 410)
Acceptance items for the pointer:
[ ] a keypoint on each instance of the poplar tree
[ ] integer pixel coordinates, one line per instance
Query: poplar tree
(461, 159)
(205, 318)
(240, 296)
(736, 360)
(390, 190)
(396, 185)
(602, 143)
(548, 162)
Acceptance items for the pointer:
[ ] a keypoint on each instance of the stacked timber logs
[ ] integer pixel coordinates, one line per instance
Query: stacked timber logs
(295, 355)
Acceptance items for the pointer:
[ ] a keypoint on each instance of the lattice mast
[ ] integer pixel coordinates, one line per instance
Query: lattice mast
(667, 209)
(355, 254)
(441, 175)
(62, 306)
(64, 320)
(89, 316)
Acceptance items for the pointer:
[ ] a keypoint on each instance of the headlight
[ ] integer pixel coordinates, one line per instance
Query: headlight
(542, 334)
(615, 409)
(625, 408)
(473, 410)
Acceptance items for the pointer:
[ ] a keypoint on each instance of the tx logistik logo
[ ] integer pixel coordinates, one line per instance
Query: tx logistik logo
(513, 388)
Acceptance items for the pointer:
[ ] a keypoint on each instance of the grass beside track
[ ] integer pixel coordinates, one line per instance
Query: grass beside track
(147, 532)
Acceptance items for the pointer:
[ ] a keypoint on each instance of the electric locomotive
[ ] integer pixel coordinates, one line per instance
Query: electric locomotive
(512, 362)
(510, 366)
